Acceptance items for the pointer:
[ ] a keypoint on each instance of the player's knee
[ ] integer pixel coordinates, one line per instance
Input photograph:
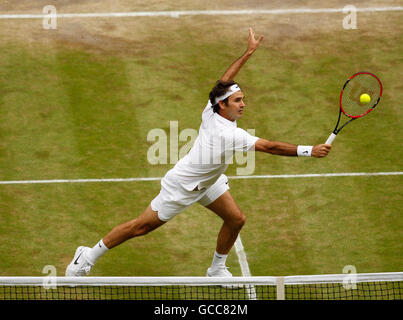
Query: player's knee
(239, 220)
(242, 219)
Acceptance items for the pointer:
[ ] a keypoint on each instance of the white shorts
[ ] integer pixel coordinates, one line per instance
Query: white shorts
(173, 198)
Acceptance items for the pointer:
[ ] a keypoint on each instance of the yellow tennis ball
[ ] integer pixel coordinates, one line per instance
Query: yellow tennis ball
(365, 98)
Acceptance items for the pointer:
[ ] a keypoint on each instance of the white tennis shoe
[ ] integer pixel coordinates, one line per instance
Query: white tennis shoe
(80, 266)
(220, 271)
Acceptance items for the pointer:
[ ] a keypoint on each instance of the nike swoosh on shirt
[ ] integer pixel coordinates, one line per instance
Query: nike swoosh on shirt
(76, 261)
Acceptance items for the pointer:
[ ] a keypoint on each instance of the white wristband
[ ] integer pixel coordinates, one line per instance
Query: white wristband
(304, 151)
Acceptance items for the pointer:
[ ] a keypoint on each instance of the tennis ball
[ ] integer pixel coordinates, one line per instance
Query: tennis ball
(365, 98)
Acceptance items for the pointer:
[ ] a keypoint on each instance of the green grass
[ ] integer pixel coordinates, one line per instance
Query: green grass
(70, 111)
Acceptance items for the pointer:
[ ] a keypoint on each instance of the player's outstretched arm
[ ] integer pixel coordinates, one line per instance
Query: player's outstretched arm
(287, 149)
(253, 44)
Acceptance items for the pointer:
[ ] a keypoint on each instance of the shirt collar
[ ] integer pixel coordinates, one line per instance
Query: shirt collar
(224, 121)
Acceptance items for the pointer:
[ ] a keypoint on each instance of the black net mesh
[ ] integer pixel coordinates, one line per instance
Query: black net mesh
(155, 292)
(386, 290)
(371, 290)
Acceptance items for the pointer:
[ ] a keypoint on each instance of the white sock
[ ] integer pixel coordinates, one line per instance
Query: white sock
(96, 252)
(219, 260)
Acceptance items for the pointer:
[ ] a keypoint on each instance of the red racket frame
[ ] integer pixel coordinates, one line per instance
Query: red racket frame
(370, 109)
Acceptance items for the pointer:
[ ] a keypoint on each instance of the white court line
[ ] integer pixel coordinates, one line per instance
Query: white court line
(177, 14)
(243, 262)
(275, 176)
(318, 175)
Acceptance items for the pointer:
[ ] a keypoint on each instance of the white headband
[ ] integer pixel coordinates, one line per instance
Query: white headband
(234, 88)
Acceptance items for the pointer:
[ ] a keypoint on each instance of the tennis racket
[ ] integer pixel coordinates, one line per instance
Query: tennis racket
(352, 104)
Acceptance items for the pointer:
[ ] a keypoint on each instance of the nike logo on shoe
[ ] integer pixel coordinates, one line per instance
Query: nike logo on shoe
(79, 266)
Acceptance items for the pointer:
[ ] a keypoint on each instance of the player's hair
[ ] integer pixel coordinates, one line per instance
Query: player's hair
(220, 88)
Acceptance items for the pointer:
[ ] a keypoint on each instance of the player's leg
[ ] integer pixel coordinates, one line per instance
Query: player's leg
(233, 220)
(86, 257)
(146, 222)
(219, 200)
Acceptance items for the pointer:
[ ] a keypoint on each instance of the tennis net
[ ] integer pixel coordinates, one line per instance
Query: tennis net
(375, 286)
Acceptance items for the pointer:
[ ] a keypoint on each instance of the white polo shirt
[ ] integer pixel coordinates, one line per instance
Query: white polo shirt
(212, 151)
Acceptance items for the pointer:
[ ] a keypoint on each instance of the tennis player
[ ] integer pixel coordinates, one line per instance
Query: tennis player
(199, 175)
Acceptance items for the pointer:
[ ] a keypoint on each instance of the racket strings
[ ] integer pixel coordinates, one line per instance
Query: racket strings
(354, 88)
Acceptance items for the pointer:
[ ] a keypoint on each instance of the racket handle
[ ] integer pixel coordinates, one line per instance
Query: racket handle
(330, 139)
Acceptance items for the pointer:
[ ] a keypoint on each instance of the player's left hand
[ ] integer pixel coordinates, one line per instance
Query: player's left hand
(321, 150)
(252, 42)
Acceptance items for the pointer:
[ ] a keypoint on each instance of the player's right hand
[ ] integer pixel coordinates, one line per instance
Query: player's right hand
(321, 150)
